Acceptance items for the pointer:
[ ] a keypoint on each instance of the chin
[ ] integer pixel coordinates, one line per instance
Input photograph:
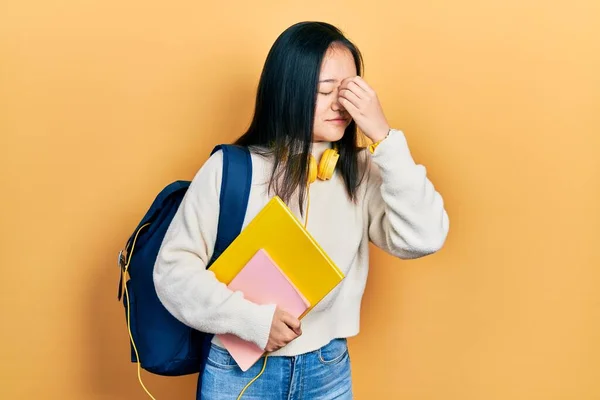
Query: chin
(330, 136)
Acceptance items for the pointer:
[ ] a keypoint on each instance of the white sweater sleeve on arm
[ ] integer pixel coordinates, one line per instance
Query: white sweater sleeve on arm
(406, 214)
(185, 287)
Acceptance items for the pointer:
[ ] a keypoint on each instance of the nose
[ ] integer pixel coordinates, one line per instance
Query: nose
(336, 105)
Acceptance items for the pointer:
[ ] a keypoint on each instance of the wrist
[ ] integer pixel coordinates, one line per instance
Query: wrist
(381, 135)
(376, 143)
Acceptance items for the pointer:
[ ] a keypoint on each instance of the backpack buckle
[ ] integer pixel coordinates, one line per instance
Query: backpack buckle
(121, 260)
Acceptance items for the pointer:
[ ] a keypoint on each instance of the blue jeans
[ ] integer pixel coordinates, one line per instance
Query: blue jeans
(323, 374)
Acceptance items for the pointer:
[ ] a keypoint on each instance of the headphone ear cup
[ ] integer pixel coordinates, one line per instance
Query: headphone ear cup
(312, 170)
(327, 164)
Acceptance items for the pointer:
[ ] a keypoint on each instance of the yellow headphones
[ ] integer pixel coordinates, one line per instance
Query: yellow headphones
(324, 171)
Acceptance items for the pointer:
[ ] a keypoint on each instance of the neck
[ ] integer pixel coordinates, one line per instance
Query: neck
(318, 148)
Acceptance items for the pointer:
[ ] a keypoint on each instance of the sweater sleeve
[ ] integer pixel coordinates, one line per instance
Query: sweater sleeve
(406, 215)
(185, 287)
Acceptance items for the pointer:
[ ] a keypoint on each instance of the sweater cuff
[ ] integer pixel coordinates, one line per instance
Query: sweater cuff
(392, 152)
(256, 323)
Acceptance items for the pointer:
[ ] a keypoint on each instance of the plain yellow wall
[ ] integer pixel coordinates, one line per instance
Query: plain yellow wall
(104, 102)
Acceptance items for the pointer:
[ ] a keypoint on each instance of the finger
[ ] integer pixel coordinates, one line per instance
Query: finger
(351, 96)
(290, 321)
(298, 331)
(363, 84)
(293, 325)
(291, 335)
(351, 108)
(351, 85)
(354, 88)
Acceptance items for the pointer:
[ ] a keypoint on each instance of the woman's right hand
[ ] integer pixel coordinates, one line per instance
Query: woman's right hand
(284, 329)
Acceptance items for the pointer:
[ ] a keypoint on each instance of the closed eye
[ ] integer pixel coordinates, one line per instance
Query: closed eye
(325, 93)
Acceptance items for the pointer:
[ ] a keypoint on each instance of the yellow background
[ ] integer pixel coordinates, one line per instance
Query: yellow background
(104, 102)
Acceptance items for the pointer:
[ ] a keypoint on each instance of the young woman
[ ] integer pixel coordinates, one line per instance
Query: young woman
(310, 97)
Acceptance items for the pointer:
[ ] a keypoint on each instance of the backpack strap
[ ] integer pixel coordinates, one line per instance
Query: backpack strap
(155, 208)
(158, 202)
(233, 200)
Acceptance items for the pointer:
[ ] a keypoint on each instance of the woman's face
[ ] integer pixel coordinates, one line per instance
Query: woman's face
(331, 119)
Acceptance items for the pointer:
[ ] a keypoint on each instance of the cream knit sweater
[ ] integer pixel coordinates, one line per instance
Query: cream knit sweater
(398, 210)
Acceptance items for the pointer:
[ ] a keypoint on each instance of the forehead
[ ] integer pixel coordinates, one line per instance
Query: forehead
(338, 64)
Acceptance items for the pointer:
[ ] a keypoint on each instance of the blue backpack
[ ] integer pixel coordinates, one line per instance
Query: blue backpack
(162, 344)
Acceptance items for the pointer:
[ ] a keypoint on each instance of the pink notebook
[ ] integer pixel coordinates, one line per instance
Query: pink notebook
(262, 282)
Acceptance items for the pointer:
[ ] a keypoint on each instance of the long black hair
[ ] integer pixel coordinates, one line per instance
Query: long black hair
(282, 125)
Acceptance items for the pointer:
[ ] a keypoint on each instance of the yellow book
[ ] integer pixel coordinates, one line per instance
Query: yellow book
(277, 230)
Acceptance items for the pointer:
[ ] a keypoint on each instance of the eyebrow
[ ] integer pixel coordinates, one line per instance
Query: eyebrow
(328, 81)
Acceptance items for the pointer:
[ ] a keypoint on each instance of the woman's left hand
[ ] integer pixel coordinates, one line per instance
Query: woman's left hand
(361, 102)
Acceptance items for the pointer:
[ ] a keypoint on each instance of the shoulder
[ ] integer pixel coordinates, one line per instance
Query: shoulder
(208, 177)
(210, 174)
